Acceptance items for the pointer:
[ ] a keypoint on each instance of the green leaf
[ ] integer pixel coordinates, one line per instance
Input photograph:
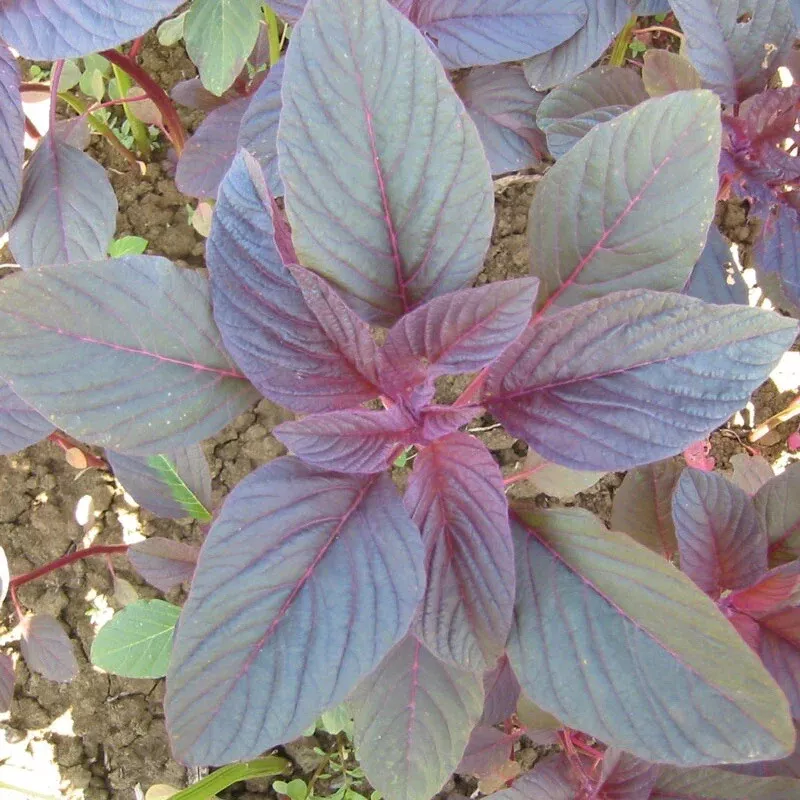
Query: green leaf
(219, 36)
(295, 790)
(137, 641)
(93, 84)
(98, 62)
(127, 246)
(181, 492)
(70, 76)
(170, 31)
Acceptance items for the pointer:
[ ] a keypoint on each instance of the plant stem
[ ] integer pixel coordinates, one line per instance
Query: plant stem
(620, 48)
(272, 35)
(55, 79)
(472, 390)
(660, 29)
(138, 128)
(521, 476)
(222, 778)
(172, 122)
(87, 552)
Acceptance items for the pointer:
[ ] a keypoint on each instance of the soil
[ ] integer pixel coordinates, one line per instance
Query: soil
(101, 736)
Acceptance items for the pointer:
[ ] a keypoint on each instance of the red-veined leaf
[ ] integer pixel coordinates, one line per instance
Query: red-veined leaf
(46, 648)
(163, 563)
(501, 690)
(488, 749)
(12, 134)
(719, 784)
(625, 777)
(20, 425)
(778, 505)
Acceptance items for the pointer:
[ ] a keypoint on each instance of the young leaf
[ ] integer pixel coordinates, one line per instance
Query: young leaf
(258, 133)
(664, 72)
(778, 260)
(459, 332)
(719, 784)
(750, 472)
(592, 231)
(481, 32)
(322, 569)
(6, 682)
(501, 690)
(569, 112)
(68, 210)
(778, 505)
(355, 440)
(127, 246)
(210, 152)
(46, 648)
(605, 20)
(152, 489)
(137, 641)
(551, 778)
(12, 134)
(715, 277)
(438, 421)
(219, 36)
(643, 506)
(45, 30)
(607, 634)
(632, 377)
(379, 157)
(20, 425)
(155, 380)
(260, 310)
(469, 596)
(626, 777)
(503, 107)
(163, 563)
(410, 739)
(721, 540)
(555, 480)
(725, 42)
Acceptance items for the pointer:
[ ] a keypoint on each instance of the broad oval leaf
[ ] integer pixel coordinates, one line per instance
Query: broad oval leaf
(569, 112)
(503, 107)
(650, 7)
(469, 596)
(387, 188)
(46, 648)
(305, 581)
(719, 784)
(68, 210)
(163, 563)
(606, 18)
(20, 425)
(219, 36)
(778, 506)
(46, 30)
(209, 154)
(151, 485)
(261, 312)
(715, 277)
(778, 260)
(6, 682)
(470, 33)
(258, 133)
(12, 135)
(725, 40)
(607, 635)
(721, 541)
(591, 226)
(664, 72)
(411, 738)
(750, 472)
(632, 377)
(137, 641)
(120, 353)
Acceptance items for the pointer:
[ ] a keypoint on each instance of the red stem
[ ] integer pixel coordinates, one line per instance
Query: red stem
(32, 130)
(68, 443)
(136, 47)
(55, 79)
(521, 476)
(473, 389)
(96, 550)
(172, 122)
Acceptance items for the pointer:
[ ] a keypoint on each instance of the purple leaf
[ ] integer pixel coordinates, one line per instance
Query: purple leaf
(643, 506)
(650, 7)
(593, 608)
(468, 33)
(720, 784)
(555, 480)
(258, 133)
(193, 94)
(626, 777)
(259, 308)
(778, 505)
(289, 10)
(409, 740)
(68, 210)
(163, 563)
(438, 421)
(777, 257)
(408, 172)
(606, 19)
(715, 277)
(46, 648)
(725, 41)
(550, 779)
(355, 440)
(777, 590)
(469, 597)
(632, 377)
(306, 568)
(569, 112)
(144, 484)
(592, 231)
(459, 332)
(721, 540)
(503, 108)
(210, 152)
(120, 353)
(45, 30)
(488, 749)
(6, 682)
(12, 134)
(664, 72)
(501, 689)
(20, 425)
(779, 648)
(750, 472)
